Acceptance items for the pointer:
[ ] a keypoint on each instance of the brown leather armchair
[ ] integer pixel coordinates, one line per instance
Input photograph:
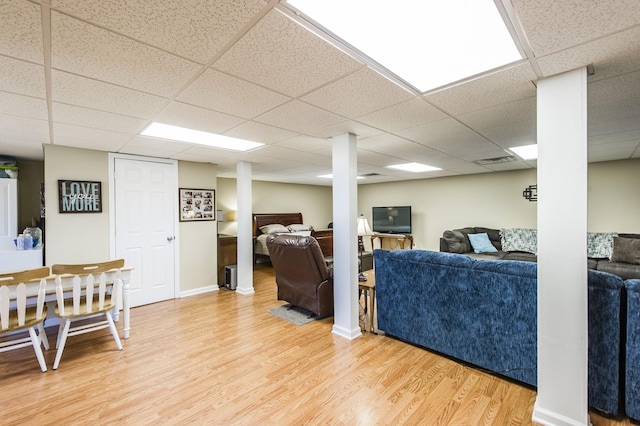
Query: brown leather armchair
(302, 275)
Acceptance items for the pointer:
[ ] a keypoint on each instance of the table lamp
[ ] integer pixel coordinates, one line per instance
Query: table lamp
(363, 229)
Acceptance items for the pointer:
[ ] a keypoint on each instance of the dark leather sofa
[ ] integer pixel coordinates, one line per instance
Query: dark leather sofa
(302, 275)
(449, 243)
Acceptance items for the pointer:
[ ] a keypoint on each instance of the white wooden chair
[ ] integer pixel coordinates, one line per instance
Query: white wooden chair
(92, 298)
(17, 312)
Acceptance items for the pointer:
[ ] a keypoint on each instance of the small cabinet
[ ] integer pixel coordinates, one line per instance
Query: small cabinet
(227, 254)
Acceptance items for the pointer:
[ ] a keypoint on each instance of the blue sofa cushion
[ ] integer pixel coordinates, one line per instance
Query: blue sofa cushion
(481, 243)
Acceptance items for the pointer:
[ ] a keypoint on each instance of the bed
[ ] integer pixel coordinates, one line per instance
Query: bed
(260, 220)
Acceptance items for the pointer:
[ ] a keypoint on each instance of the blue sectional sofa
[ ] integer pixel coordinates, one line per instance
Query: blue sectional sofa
(485, 313)
(632, 368)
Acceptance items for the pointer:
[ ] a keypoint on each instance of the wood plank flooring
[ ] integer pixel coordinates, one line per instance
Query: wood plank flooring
(221, 359)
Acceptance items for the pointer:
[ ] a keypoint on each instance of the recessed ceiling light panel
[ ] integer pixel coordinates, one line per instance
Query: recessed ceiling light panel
(526, 152)
(184, 134)
(414, 167)
(427, 44)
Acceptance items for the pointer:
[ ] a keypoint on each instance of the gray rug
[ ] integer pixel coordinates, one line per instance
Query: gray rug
(293, 314)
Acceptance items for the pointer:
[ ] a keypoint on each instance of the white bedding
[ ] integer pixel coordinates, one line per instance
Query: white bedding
(261, 241)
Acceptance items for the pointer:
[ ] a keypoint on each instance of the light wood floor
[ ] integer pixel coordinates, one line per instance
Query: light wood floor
(222, 359)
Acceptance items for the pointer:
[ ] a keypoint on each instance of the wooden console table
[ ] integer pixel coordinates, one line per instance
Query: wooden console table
(399, 239)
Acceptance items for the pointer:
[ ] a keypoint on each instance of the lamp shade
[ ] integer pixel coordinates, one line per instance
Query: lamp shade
(363, 226)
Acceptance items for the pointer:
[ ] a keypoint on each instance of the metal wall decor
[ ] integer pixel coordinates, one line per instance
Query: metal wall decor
(531, 193)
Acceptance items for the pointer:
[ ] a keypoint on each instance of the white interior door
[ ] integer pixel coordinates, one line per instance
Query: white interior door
(145, 218)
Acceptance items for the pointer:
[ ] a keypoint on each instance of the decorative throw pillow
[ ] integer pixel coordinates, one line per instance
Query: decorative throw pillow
(274, 228)
(481, 243)
(455, 241)
(295, 227)
(600, 244)
(626, 250)
(519, 239)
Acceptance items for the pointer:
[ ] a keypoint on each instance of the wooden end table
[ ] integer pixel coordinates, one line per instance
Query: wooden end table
(368, 289)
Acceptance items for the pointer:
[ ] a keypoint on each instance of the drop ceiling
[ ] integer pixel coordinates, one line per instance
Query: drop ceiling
(93, 73)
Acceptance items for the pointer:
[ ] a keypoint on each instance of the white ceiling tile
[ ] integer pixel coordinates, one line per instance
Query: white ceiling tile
(28, 149)
(300, 117)
(500, 115)
(154, 146)
(87, 138)
(633, 135)
(612, 151)
(17, 130)
(22, 77)
(512, 134)
(85, 117)
(349, 126)
(306, 143)
(185, 115)
(194, 29)
(283, 56)
(76, 90)
(222, 92)
(259, 132)
(24, 106)
(21, 30)
(401, 116)
(358, 94)
(616, 54)
(507, 85)
(81, 48)
(614, 89)
(553, 25)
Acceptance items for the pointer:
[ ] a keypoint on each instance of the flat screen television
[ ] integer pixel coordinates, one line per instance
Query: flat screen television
(392, 220)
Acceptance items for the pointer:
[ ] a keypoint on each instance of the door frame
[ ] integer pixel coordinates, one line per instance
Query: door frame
(112, 210)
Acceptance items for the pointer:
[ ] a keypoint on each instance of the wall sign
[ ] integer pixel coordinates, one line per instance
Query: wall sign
(79, 196)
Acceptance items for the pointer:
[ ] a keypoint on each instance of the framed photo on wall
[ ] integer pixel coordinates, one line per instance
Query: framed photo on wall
(197, 204)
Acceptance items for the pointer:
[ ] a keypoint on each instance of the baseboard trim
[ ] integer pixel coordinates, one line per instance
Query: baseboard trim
(551, 418)
(200, 290)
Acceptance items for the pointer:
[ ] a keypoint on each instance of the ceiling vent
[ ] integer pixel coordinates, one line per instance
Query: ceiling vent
(370, 174)
(497, 160)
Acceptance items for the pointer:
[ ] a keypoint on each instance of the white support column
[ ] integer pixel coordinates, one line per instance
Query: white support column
(245, 237)
(345, 237)
(562, 250)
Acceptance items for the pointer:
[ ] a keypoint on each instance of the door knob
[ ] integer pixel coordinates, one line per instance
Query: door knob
(169, 239)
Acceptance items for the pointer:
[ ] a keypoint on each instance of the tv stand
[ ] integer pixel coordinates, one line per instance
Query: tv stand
(392, 241)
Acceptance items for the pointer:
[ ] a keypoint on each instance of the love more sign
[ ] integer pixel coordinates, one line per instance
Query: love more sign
(79, 196)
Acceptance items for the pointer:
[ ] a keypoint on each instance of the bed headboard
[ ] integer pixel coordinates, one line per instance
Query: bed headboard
(261, 219)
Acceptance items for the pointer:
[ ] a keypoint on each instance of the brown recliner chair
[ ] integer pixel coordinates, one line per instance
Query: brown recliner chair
(302, 275)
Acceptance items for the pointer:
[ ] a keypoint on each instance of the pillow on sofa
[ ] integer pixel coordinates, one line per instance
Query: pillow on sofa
(626, 250)
(456, 241)
(600, 244)
(295, 227)
(481, 243)
(519, 239)
(274, 228)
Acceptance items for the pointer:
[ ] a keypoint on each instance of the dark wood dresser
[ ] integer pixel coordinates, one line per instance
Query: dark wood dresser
(227, 254)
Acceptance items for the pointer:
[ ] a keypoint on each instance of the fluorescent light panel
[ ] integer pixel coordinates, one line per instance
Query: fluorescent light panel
(428, 44)
(414, 167)
(330, 176)
(526, 152)
(183, 134)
